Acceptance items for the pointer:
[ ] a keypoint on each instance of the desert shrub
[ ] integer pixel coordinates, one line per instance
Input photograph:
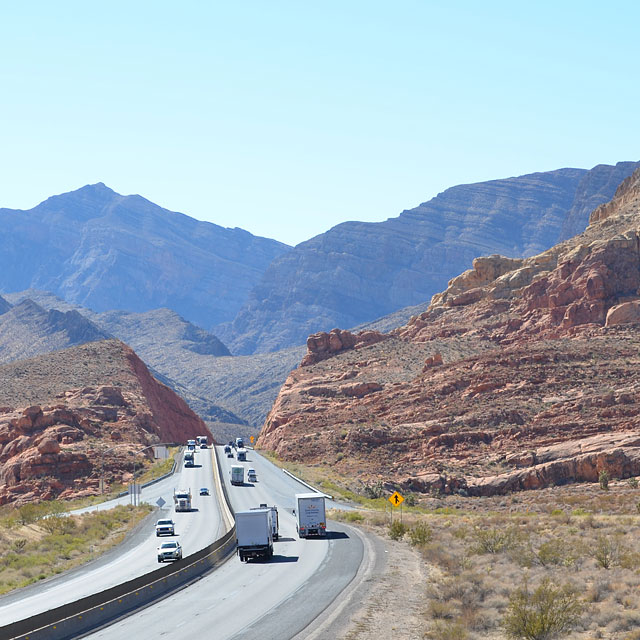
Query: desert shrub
(633, 483)
(19, 545)
(421, 533)
(29, 513)
(542, 614)
(375, 490)
(447, 630)
(603, 479)
(397, 530)
(58, 524)
(597, 591)
(441, 610)
(494, 540)
(556, 552)
(606, 551)
(410, 500)
(353, 516)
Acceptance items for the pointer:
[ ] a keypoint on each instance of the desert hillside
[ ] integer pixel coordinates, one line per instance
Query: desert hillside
(522, 374)
(64, 413)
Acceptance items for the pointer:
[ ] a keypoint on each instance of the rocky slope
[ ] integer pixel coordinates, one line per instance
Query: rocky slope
(69, 416)
(523, 373)
(27, 329)
(357, 272)
(222, 389)
(105, 251)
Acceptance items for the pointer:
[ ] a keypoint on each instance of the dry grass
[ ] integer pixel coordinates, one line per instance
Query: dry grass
(32, 552)
(476, 560)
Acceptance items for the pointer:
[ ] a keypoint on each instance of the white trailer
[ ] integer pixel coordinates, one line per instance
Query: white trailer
(310, 514)
(237, 474)
(182, 499)
(254, 534)
(274, 518)
(242, 455)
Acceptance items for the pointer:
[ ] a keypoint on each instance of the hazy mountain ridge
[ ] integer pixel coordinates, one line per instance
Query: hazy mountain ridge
(105, 251)
(357, 272)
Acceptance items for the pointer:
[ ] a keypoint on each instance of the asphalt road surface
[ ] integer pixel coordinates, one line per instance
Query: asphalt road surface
(137, 555)
(269, 600)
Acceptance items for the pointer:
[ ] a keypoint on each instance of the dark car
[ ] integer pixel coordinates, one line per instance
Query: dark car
(204, 491)
(230, 454)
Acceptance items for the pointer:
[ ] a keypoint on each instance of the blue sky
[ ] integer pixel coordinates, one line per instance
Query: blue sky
(286, 118)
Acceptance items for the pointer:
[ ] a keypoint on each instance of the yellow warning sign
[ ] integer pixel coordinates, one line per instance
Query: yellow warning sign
(396, 499)
(252, 439)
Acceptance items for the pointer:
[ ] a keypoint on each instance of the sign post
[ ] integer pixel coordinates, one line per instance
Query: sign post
(396, 500)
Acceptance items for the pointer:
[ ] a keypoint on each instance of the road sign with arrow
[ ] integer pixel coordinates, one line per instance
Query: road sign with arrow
(396, 499)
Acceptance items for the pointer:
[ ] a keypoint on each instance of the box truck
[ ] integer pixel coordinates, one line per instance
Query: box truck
(310, 513)
(237, 474)
(274, 518)
(254, 534)
(242, 455)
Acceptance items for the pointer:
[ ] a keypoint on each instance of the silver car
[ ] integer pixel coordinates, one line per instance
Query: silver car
(169, 551)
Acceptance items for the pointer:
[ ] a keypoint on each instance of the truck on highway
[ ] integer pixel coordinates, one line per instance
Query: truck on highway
(237, 474)
(239, 443)
(274, 518)
(188, 459)
(254, 534)
(191, 445)
(242, 455)
(310, 514)
(182, 499)
(202, 441)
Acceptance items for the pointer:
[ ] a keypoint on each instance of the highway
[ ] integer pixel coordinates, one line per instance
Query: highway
(266, 600)
(137, 555)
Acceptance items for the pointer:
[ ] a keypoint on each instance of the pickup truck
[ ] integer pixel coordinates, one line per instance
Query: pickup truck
(165, 528)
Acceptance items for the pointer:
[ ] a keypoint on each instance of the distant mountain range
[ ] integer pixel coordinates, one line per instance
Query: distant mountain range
(101, 250)
(357, 271)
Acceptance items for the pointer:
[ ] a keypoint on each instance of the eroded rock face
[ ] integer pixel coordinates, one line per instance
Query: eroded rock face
(57, 448)
(522, 374)
(322, 345)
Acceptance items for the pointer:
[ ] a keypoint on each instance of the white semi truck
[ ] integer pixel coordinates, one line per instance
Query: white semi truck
(310, 513)
(182, 499)
(254, 534)
(242, 455)
(188, 459)
(191, 445)
(237, 474)
(202, 441)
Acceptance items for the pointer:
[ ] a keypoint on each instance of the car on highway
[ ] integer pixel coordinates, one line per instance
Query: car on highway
(230, 454)
(227, 448)
(204, 491)
(165, 528)
(252, 476)
(169, 551)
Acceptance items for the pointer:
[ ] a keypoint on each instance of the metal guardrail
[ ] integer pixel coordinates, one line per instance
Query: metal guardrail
(70, 620)
(306, 484)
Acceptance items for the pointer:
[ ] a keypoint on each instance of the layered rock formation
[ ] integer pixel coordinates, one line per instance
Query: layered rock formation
(357, 272)
(71, 417)
(105, 251)
(521, 374)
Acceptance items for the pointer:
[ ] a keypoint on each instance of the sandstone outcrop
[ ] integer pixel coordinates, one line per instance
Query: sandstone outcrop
(66, 436)
(522, 374)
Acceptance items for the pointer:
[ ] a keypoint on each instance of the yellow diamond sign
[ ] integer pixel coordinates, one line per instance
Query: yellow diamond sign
(396, 499)
(252, 438)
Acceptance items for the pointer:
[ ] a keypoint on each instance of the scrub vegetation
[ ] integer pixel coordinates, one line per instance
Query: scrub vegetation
(38, 541)
(559, 563)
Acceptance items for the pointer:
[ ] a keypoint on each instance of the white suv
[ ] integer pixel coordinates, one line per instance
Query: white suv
(169, 551)
(165, 528)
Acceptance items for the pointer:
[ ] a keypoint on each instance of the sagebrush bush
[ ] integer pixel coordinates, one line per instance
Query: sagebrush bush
(494, 540)
(542, 614)
(397, 530)
(420, 533)
(603, 479)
